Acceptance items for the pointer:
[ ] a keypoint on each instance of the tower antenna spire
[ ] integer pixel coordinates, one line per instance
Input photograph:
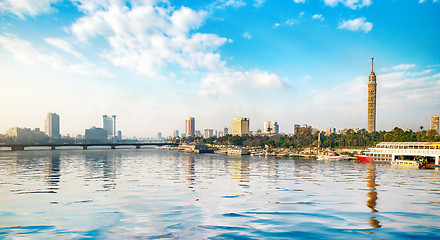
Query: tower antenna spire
(372, 60)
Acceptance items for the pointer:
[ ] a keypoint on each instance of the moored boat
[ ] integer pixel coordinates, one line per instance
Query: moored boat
(426, 154)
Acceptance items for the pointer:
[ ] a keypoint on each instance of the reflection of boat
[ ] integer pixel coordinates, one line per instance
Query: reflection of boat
(428, 153)
(331, 157)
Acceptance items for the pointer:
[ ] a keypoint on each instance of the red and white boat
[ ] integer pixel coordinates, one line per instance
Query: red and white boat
(426, 152)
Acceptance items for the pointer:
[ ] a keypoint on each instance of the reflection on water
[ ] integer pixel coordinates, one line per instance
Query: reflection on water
(372, 194)
(52, 166)
(143, 193)
(189, 170)
(240, 171)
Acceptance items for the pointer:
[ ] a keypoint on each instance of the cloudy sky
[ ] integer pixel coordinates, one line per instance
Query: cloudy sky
(154, 63)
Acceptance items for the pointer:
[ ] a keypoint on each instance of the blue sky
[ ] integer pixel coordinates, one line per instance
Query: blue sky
(153, 63)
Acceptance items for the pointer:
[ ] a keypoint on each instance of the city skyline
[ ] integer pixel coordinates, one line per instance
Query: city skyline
(294, 62)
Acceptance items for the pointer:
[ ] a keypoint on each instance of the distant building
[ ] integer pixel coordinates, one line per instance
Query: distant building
(95, 134)
(198, 133)
(119, 135)
(258, 131)
(176, 134)
(240, 126)
(225, 131)
(159, 135)
(271, 128)
(295, 128)
(434, 123)
(52, 125)
(330, 130)
(190, 127)
(208, 133)
(109, 124)
(26, 135)
(371, 121)
(344, 130)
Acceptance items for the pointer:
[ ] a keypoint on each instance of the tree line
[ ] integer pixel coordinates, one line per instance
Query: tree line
(306, 138)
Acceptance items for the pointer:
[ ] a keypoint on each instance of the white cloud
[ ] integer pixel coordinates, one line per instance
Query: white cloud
(229, 81)
(276, 25)
(353, 4)
(21, 8)
(357, 24)
(421, 1)
(25, 52)
(146, 38)
(319, 17)
(290, 22)
(63, 45)
(207, 93)
(299, 1)
(404, 66)
(220, 4)
(247, 35)
(259, 3)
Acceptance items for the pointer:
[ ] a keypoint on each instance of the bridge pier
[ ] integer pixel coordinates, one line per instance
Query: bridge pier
(52, 148)
(113, 147)
(17, 148)
(84, 147)
(138, 147)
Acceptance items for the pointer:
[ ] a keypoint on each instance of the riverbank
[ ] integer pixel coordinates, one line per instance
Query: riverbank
(307, 153)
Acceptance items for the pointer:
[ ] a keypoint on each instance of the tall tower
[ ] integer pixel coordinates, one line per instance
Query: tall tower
(109, 124)
(434, 124)
(52, 125)
(190, 127)
(371, 126)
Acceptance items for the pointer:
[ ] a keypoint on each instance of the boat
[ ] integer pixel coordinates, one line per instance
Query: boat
(408, 163)
(332, 156)
(406, 153)
(258, 153)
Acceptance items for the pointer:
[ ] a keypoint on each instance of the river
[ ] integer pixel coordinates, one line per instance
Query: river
(165, 194)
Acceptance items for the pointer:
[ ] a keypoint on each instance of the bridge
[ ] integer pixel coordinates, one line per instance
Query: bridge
(53, 146)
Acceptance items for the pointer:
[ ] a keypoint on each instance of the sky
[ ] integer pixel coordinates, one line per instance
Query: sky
(153, 63)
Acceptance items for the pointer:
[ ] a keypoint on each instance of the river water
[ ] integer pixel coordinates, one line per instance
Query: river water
(166, 194)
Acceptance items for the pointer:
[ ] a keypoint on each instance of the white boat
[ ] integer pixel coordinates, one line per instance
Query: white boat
(258, 153)
(404, 153)
(331, 157)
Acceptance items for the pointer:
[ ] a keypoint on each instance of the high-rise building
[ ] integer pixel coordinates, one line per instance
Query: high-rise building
(208, 133)
(271, 127)
(190, 127)
(52, 125)
(371, 124)
(159, 135)
(240, 126)
(225, 131)
(109, 124)
(176, 134)
(434, 123)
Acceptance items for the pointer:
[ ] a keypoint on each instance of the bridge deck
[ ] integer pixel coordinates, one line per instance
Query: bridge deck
(53, 146)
